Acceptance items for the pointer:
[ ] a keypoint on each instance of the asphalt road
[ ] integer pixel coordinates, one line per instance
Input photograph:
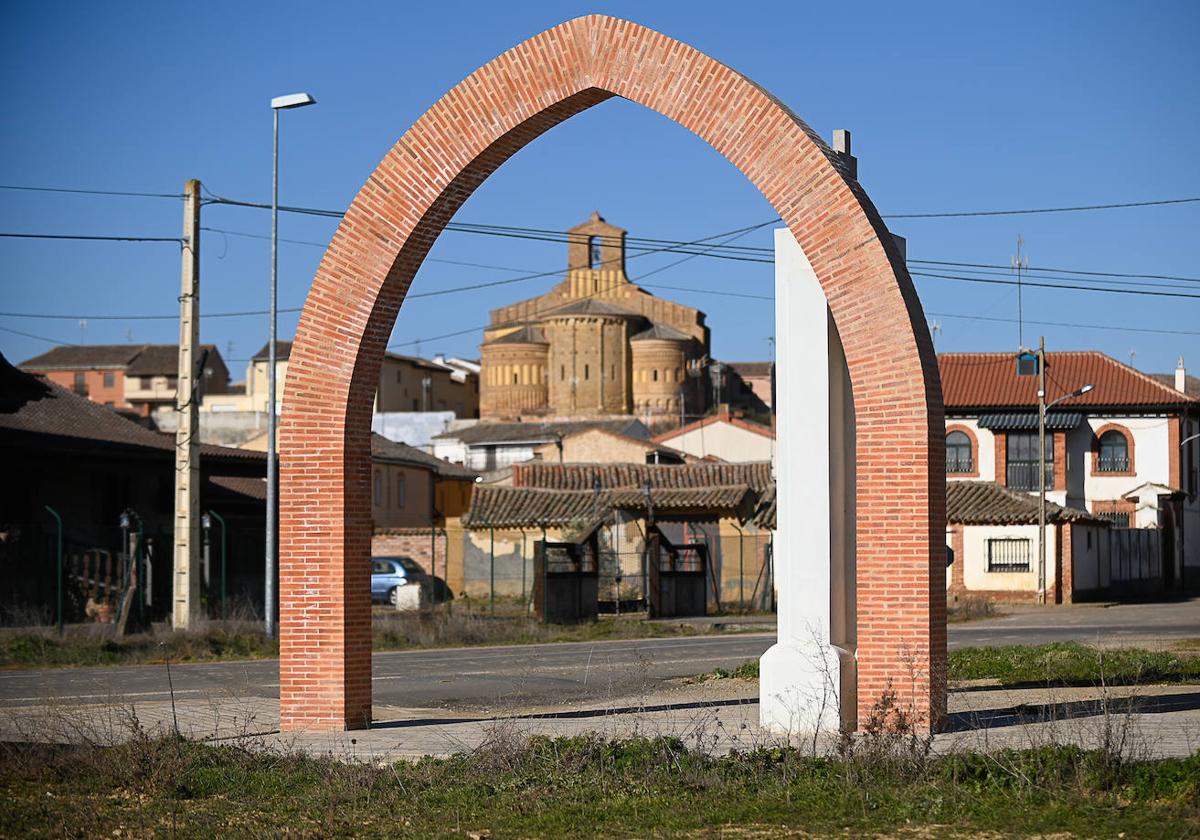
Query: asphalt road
(530, 675)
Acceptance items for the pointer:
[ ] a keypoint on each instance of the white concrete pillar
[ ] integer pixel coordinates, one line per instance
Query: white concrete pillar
(808, 677)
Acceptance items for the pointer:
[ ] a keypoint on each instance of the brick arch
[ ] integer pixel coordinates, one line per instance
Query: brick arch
(1131, 469)
(325, 521)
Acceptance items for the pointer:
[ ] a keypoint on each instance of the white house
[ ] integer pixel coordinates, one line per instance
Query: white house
(1125, 452)
(723, 437)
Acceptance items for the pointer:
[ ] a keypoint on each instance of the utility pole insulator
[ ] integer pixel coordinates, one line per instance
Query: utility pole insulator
(185, 600)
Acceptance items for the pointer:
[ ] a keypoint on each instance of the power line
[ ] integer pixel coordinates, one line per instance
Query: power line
(175, 239)
(1067, 324)
(1040, 209)
(39, 337)
(1056, 286)
(125, 193)
(1060, 270)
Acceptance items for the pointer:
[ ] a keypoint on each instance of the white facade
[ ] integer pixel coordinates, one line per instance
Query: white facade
(721, 438)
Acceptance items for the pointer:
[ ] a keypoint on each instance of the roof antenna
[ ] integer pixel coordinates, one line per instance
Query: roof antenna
(83, 331)
(1020, 263)
(935, 329)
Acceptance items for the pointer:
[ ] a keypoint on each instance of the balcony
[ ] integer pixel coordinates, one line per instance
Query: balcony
(1022, 475)
(1112, 463)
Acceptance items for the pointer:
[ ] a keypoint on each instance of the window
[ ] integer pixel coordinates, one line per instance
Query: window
(1118, 519)
(401, 492)
(1008, 555)
(562, 372)
(1114, 452)
(586, 372)
(958, 453)
(81, 384)
(1022, 464)
(654, 375)
(109, 379)
(516, 379)
(594, 260)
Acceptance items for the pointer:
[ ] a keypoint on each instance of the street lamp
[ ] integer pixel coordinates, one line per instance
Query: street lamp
(1042, 409)
(279, 103)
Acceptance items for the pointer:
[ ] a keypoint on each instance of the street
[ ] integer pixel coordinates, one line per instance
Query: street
(466, 679)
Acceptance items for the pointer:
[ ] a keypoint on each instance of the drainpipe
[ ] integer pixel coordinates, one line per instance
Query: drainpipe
(492, 596)
(522, 530)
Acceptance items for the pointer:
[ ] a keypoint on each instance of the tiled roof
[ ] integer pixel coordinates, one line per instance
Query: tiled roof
(723, 417)
(764, 513)
(482, 433)
(246, 487)
(84, 356)
(661, 332)
(989, 380)
(31, 405)
(1191, 383)
(159, 359)
(751, 369)
(755, 475)
(528, 334)
(987, 503)
(391, 451)
(497, 506)
(591, 306)
(283, 350)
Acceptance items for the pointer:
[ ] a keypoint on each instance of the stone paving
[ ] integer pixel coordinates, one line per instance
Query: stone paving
(716, 716)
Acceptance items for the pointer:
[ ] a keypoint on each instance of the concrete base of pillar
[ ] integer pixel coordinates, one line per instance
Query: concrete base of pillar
(806, 687)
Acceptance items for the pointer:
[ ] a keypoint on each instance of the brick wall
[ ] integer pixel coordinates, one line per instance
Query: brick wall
(325, 626)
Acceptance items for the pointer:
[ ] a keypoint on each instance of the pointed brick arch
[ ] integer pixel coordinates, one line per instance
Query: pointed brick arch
(325, 619)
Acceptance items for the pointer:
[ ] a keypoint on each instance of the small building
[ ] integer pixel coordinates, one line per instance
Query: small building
(491, 446)
(413, 489)
(601, 445)
(722, 437)
(137, 377)
(992, 533)
(91, 465)
(750, 387)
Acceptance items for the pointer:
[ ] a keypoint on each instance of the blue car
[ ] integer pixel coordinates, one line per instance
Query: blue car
(388, 574)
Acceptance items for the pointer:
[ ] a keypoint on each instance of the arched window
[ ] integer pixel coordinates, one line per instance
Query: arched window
(656, 374)
(516, 379)
(1114, 452)
(958, 453)
(594, 259)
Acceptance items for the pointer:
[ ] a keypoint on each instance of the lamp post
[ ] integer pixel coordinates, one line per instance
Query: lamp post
(279, 103)
(1042, 409)
(1183, 518)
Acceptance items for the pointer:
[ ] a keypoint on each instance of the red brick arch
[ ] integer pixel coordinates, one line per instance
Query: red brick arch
(325, 515)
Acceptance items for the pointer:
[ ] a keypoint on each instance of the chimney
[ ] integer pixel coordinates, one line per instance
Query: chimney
(1180, 377)
(841, 145)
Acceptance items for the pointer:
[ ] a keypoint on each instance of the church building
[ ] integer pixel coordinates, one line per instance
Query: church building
(596, 345)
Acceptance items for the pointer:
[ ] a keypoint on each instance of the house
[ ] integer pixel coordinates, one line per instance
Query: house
(724, 437)
(1125, 451)
(491, 446)
(406, 384)
(750, 386)
(137, 377)
(90, 465)
(601, 445)
(992, 535)
(724, 510)
(413, 489)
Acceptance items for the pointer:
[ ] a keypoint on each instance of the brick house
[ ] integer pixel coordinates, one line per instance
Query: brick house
(492, 446)
(137, 377)
(1120, 452)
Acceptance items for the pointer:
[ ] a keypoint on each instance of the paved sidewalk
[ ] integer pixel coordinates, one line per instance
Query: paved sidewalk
(716, 716)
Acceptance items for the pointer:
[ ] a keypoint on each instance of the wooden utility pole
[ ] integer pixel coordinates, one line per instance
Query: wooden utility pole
(186, 580)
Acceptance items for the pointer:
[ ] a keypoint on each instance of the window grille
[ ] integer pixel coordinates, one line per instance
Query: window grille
(1008, 555)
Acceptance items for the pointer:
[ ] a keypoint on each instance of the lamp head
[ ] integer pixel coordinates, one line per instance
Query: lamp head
(1085, 389)
(292, 100)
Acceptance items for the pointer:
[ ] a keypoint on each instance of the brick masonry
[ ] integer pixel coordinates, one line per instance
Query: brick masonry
(325, 619)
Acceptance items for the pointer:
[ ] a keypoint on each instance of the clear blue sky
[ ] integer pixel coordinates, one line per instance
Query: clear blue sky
(953, 106)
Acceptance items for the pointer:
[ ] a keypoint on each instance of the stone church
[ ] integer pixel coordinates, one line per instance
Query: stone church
(596, 345)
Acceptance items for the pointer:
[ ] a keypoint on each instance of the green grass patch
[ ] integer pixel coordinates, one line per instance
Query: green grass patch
(95, 645)
(587, 787)
(1070, 663)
